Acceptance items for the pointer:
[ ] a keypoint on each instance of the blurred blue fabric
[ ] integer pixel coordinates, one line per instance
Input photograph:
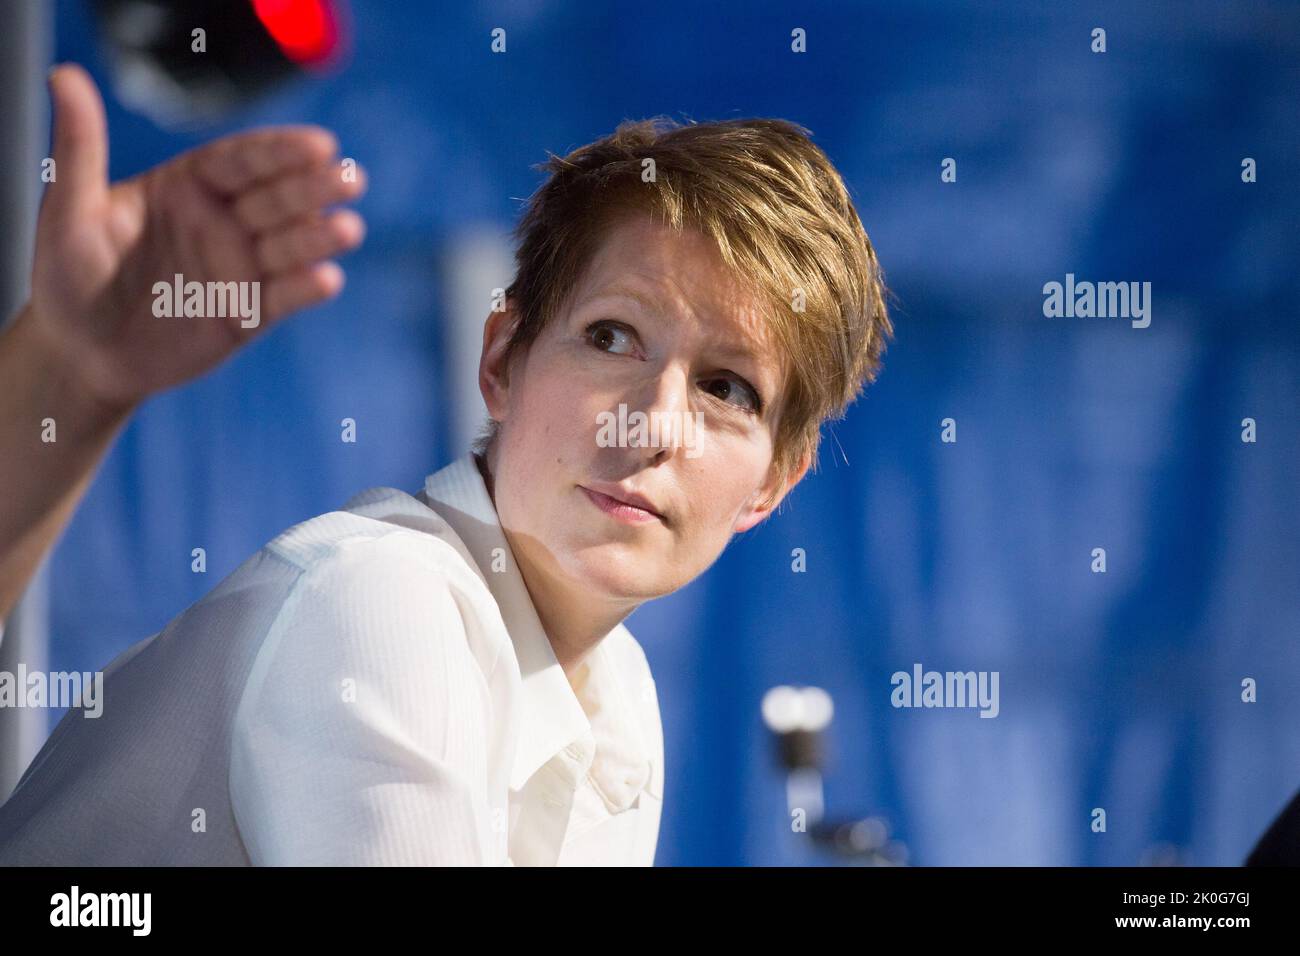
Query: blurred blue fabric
(1119, 690)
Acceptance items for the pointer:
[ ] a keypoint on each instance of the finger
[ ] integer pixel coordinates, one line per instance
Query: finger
(301, 288)
(80, 141)
(295, 195)
(307, 241)
(235, 163)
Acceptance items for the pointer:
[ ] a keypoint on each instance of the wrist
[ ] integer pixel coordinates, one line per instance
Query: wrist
(56, 362)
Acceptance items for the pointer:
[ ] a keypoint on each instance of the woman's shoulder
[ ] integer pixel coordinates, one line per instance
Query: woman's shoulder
(384, 547)
(378, 590)
(385, 516)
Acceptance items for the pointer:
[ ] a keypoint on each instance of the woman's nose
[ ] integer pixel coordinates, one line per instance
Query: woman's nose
(668, 392)
(663, 400)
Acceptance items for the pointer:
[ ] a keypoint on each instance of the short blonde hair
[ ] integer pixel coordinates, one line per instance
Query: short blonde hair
(781, 218)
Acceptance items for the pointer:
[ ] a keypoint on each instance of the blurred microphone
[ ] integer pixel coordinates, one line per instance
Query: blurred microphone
(798, 716)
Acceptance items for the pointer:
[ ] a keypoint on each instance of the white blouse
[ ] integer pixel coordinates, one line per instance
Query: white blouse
(372, 687)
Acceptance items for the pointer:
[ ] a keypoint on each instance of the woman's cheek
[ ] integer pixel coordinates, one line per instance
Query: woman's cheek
(567, 394)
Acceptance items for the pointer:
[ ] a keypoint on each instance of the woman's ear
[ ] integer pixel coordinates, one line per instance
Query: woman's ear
(765, 499)
(493, 372)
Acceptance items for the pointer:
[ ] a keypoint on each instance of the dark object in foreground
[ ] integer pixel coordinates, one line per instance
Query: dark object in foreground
(1280, 844)
(194, 61)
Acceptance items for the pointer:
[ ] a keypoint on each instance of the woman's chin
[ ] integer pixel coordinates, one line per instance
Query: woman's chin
(620, 571)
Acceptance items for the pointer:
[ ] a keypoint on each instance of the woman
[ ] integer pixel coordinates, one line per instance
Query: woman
(444, 678)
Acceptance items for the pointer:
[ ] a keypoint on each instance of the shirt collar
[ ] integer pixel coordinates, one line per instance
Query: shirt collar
(597, 722)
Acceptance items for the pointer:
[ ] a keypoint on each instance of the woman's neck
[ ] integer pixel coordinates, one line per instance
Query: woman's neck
(572, 624)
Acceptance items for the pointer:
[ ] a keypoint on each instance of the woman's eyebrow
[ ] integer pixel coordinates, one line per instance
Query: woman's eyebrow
(648, 302)
(735, 351)
(653, 306)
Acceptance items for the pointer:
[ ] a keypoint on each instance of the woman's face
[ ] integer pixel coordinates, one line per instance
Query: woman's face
(658, 325)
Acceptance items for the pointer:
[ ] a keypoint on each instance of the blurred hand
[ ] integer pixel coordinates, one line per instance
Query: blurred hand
(245, 208)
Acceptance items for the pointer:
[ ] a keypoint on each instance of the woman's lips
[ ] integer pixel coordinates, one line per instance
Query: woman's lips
(620, 510)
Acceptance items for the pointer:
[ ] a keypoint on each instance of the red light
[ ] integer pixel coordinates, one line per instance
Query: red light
(304, 29)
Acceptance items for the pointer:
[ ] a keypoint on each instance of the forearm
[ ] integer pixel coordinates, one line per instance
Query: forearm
(42, 480)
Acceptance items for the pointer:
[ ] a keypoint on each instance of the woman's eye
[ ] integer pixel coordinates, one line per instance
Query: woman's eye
(606, 337)
(735, 391)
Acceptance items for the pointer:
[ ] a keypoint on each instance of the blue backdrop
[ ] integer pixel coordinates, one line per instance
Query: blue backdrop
(1119, 690)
